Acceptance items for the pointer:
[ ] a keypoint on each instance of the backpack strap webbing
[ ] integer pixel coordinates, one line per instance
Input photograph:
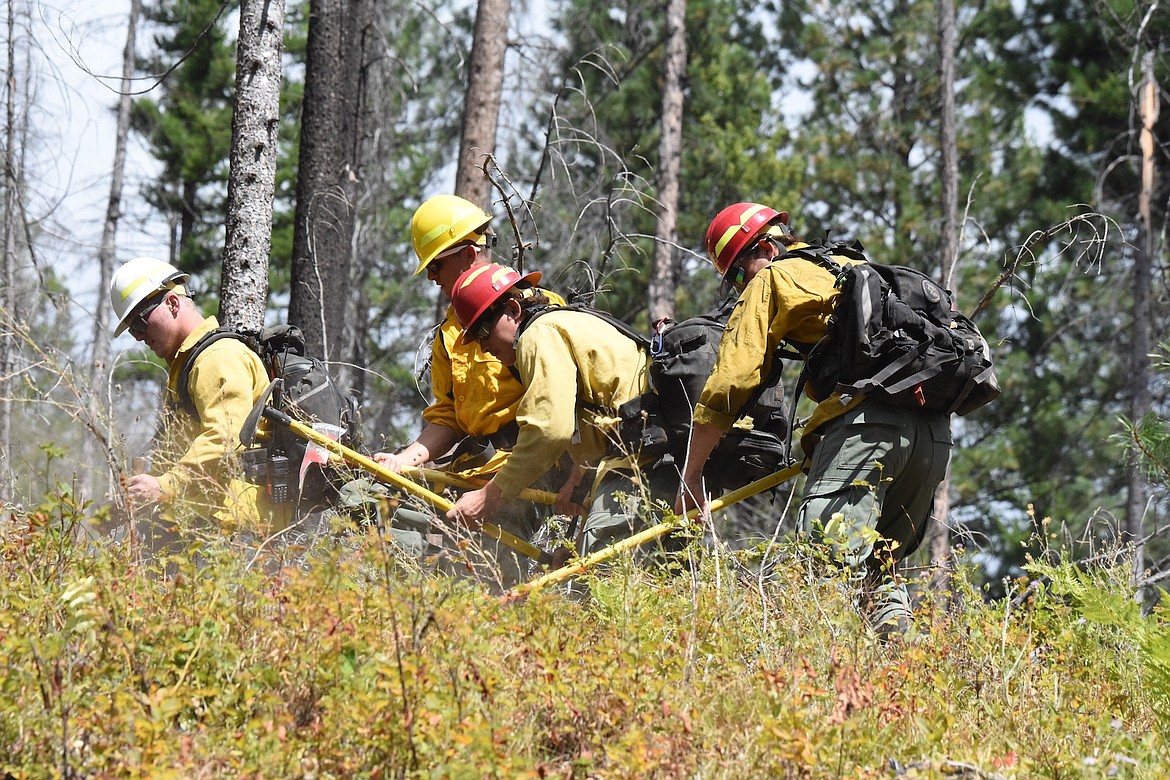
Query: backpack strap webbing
(185, 401)
(621, 326)
(819, 251)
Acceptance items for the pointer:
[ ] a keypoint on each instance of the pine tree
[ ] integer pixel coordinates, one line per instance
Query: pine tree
(187, 121)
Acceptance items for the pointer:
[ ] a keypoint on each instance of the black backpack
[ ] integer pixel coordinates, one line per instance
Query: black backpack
(896, 336)
(302, 388)
(684, 354)
(658, 424)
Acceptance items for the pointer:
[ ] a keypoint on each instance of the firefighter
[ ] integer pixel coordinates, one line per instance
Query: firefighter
(475, 396)
(576, 369)
(195, 455)
(872, 469)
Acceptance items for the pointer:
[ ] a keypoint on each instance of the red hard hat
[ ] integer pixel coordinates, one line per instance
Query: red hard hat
(735, 227)
(480, 286)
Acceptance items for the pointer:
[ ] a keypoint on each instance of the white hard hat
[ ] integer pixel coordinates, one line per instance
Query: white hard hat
(137, 280)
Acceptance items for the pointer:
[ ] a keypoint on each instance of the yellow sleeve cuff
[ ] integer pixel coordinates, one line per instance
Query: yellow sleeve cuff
(708, 416)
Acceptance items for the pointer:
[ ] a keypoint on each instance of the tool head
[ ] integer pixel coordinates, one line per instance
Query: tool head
(252, 421)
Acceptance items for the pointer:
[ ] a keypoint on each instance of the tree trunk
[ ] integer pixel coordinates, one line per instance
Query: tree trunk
(481, 105)
(939, 533)
(481, 110)
(332, 129)
(252, 180)
(100, 354)
(1139, 384)
(8, 278)
(188, 196)
(660, 290)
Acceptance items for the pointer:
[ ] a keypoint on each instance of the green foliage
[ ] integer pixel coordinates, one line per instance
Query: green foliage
(1046, 448)
(413, 74)
(598, 180)
(1086, 59)
(187, 120)
(1048, 441)
(1106, 609)
(1148, 440)
(827, 110)
(1150, 436)
(361, 666)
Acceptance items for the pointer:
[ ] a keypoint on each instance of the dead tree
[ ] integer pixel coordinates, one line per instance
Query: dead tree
(481, 105)
(8, 292)
(660, 291)
(1140, 339)
(939, 533)
(107, 250)
(328, 172)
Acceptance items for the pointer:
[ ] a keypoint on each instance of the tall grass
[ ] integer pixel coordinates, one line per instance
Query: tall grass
(363, 666)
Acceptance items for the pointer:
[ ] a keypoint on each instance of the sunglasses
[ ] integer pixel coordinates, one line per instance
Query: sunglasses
(436, 265)
(482, 329)
(140, 321)
(737, 276)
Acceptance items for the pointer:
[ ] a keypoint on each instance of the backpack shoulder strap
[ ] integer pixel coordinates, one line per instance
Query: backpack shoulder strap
(821, 252)
(641, 340)
(185, 401)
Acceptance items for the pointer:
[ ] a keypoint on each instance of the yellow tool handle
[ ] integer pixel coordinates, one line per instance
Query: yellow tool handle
(649, 534)
(386, 475)
(472, 483)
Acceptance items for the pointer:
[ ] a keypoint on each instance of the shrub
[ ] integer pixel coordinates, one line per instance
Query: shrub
(362, 666)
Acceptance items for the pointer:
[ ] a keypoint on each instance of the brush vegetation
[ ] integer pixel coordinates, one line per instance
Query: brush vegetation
(738, 666)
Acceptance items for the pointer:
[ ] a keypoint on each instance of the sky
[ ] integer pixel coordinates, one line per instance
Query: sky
(75, 71)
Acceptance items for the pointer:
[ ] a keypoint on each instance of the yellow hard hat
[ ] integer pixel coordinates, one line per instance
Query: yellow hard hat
(137, 280)
(445, 221)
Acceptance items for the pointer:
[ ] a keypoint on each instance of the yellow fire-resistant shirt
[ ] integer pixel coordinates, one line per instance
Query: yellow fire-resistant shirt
(567, 359)
(474, 392)
(789, 299)
(200, 454)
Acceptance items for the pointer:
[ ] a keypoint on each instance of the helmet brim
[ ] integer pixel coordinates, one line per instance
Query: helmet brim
(175, 282)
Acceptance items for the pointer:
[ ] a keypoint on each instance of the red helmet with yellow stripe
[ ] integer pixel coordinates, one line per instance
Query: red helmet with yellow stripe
(735, 227)
(478, 288)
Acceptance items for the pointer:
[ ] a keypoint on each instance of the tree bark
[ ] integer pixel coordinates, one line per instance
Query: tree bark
(939, 533)
(481, 105)
(481, 109)
(660, 290)
(332, 127)
(252, 180)
(1139, 373)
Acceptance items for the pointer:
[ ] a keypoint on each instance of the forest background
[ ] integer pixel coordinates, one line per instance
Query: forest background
(1014, 149)
(1010, 148)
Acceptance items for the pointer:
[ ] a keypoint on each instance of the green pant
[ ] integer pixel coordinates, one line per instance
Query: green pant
(423, 534)
(621, 505)
(870, 492)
